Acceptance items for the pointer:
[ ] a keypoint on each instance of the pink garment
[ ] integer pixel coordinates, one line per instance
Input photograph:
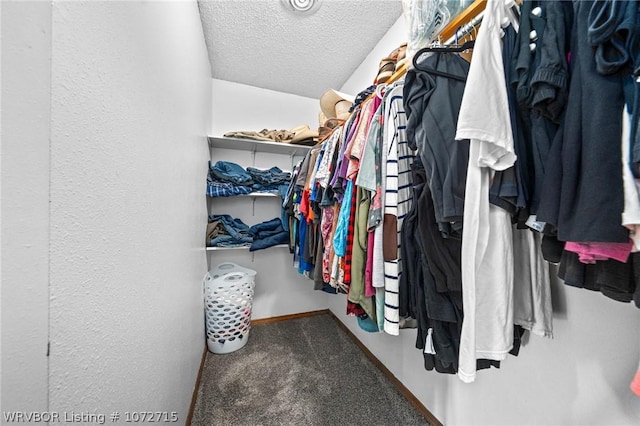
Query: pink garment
(358, 134)
(635, 383)
(369, 290)
(327, 227)
(355, 150)
(592, 252)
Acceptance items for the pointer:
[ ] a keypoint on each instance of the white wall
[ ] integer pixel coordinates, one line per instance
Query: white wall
(365, 74)
(241, 107)
(105, 109)
(581, 377)
(279, 289)
(26, 101)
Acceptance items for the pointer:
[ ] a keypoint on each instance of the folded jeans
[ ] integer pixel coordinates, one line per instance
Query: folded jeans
(280, 238)
(235, 228)
(268, 225)
(227, 171)
(272, 176)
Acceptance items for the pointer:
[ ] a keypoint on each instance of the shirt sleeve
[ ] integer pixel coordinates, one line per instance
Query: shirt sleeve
(484, 112)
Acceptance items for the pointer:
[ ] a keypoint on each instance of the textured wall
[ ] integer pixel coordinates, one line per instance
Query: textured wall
(130, 110)
(580, 377)
(241, 107)
(26, 56)
(364, 75)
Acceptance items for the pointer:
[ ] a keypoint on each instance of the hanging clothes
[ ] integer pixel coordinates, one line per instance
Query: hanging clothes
(376, 209)
(397, 202)
(631, 213)
(369, 178)
(384, 224)
(359, 251)
(543, 86)
(356, 146)
(440, 309)
(532, 308)
(409, 300)
(531, 81)
(510, 188)
(433, 93)
(487, 243)
(590, 190)
(589, 193)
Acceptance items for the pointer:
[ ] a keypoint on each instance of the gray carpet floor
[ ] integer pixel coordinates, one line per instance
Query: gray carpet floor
(305, 371)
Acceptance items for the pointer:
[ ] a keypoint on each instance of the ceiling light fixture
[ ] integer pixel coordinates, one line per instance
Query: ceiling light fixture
(302, 6)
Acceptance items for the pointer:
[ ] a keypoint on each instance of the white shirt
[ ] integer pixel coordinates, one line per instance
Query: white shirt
(487, 244)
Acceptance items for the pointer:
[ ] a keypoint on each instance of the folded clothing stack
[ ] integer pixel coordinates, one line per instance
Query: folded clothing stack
(268, 234)
(263, 135)
(301, 135)
(227, 179)
(226, 231)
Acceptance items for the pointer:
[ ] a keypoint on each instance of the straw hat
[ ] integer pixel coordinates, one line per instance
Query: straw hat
(334, 104)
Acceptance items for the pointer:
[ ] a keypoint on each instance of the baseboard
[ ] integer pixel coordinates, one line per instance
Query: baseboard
(194, 397)
(270, 320)
(393, 379)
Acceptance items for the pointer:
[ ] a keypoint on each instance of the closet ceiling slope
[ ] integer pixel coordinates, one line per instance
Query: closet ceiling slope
(259, 43)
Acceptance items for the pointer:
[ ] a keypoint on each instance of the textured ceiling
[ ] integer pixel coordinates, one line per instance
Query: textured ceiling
(262, 44)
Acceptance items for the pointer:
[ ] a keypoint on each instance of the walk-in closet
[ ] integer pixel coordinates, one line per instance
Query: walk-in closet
(320, 212)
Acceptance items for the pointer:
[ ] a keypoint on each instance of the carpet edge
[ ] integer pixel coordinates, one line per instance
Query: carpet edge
(428, 415)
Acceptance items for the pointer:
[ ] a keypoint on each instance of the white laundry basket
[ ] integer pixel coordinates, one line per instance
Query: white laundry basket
(227, 268)
(228, 298)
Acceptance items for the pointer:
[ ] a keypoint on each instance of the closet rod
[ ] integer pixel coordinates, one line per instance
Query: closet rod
(466, 29)
(464, 18)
